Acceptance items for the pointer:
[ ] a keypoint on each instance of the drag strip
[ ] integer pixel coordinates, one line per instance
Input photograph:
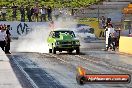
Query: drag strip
(45, 70)
(62, 67)
(37, 77)
(98, 66)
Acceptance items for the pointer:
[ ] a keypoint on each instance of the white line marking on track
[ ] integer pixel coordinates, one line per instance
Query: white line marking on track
(25, 74)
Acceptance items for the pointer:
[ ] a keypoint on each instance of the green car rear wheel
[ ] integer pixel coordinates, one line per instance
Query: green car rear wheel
(54, 50)
(78, 51)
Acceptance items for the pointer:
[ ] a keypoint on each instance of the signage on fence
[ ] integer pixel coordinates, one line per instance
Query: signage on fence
(18, 29)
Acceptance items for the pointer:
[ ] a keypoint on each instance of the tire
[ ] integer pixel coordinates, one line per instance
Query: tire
(69, 51)
(54, 50)
(78, 51)
(50, 50)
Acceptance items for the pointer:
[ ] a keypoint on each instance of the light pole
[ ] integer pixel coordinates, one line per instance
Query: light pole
(98, 14)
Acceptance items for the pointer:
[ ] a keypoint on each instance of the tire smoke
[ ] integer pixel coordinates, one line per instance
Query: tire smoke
(36, 40)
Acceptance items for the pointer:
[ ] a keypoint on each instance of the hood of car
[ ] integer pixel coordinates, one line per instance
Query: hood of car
(64, 36)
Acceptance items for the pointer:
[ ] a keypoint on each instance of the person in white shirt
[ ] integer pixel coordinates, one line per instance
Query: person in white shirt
(110, 37)
(43, 14)
(2, 38)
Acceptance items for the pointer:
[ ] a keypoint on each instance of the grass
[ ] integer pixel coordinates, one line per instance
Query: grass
(52, 3)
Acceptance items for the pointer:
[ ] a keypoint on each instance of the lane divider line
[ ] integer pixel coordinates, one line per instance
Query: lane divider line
(25, 74)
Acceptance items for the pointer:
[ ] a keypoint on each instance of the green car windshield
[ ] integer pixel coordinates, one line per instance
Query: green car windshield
(57, 33)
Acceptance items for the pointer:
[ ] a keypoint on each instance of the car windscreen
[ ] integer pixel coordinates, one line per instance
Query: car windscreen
(57, 33)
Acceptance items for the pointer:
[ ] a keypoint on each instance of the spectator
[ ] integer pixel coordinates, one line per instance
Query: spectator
(8, 40)
(43, 14)
(0, 15)
(109, 22)
(14, 12)
(32, 13)
(2, 38)
(36, 12)
(110, 34)
(72, 12)
(103, 22)
(49, 11)
(29, 13)
(3, 12)
(22, 12)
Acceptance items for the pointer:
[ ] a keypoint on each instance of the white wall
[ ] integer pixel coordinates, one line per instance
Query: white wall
(23, 28)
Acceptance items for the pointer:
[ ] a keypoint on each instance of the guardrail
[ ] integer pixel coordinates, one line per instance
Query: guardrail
(116, 3)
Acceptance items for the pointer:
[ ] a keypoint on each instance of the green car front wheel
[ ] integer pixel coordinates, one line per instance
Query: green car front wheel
(50, 50)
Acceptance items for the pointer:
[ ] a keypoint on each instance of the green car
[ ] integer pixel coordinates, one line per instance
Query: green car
(63, 40)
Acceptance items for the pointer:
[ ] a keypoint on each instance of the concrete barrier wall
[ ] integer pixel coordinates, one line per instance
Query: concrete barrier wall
(120, 0)
(108, 6)
(18, 29)
(116, 3)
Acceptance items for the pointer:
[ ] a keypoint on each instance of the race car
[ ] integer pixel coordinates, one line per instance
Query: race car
(63, 40)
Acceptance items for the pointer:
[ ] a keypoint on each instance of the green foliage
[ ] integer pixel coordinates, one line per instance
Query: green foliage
(52, 3)
(55, 3)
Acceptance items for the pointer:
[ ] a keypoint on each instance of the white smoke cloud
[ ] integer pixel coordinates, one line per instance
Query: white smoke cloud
(36, 41)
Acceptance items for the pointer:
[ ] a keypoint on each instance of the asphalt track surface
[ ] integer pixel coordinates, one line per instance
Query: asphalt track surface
(43, 70)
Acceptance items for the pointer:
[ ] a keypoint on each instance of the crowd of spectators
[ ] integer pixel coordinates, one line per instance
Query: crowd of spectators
(34, 13)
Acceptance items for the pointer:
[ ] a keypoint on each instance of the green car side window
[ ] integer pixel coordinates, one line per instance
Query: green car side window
(57, 34)
(50, 35)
